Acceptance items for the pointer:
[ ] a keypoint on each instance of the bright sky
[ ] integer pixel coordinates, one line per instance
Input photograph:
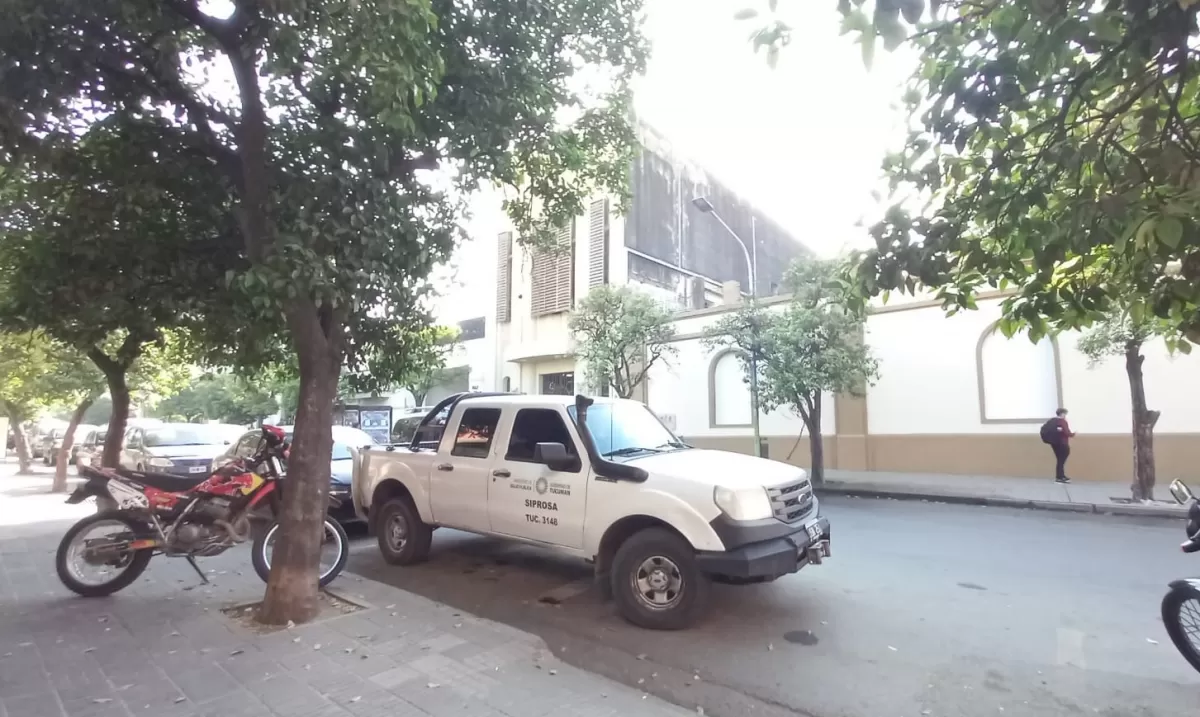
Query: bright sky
(803, 142)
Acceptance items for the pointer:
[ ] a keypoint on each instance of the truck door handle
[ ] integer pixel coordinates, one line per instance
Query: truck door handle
(445, 467)
(501, 473)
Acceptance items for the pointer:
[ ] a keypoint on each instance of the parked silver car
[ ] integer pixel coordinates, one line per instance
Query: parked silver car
(186, 449)
(89, 446)
(52, 443)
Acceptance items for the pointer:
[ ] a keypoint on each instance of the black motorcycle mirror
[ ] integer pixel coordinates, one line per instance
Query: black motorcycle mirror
(1180, 492)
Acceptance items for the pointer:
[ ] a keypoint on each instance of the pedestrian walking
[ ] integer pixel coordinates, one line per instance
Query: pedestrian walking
(1057, 434)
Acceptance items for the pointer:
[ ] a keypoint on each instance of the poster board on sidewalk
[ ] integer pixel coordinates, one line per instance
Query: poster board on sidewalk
(373, 420)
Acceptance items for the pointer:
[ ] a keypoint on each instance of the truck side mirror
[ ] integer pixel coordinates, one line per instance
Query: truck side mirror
(554, 456)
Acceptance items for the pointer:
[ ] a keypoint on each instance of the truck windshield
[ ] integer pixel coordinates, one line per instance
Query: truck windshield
(626, 428)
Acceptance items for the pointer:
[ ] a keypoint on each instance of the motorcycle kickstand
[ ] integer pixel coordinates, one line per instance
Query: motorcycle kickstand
(192, 561)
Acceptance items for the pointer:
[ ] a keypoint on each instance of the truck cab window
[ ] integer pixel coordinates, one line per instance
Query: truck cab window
(533, 426)
(475, 431)
(430, 435)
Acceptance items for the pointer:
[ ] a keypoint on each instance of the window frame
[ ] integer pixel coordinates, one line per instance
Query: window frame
(572, 444)
(557, 375)
(993, 331)
(736, 355)
(458, 424)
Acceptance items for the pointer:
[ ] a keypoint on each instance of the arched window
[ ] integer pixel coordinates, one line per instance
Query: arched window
(728, 394)
(1019, 381)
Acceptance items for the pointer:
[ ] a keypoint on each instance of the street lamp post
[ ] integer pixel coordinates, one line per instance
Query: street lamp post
(706, 207)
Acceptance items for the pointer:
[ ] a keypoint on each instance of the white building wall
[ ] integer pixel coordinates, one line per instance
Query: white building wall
(1098, 397)
(680, 389)
(929, 382)
(477, 357)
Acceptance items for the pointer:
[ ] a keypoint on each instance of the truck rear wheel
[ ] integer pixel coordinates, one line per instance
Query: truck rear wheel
(656, 583)
(404, 538)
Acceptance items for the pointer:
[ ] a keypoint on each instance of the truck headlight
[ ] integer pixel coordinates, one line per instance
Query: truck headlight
(160, 462)
(743, 503)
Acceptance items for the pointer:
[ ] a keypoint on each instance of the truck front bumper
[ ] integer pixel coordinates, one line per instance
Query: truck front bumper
(765, 550)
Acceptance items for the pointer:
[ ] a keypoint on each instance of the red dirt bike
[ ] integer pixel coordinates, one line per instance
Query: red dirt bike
(148, 513)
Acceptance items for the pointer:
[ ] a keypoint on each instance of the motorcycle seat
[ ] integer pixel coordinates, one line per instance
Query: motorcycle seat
(163, 481)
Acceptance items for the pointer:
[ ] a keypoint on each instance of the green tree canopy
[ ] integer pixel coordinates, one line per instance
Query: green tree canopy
(222, 397)
(813, 346)
(414, 359)
(96, 415)
(37, 374)
(118, 234)
(621, 333)
(1054, 153)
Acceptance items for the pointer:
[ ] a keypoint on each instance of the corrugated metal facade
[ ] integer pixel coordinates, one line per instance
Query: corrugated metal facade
(662, 223)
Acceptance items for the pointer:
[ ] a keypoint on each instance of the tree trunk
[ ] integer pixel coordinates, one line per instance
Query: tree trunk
(64, 455)
(815, 445)
(114, 441)
(1143, 425)
(115, 372)
(20, 442)
(316, 331)
(292, 587)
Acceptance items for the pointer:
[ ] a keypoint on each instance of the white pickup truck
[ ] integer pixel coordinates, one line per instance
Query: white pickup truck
(601, 479)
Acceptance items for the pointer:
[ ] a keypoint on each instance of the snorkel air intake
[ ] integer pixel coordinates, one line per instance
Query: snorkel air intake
(603, 467)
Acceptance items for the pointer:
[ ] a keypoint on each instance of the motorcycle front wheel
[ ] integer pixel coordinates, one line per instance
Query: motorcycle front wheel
(94, 558)
(1181, 615)
(335, 551)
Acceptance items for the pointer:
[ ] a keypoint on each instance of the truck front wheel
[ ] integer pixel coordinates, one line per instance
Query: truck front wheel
(656, 583)
(404, 538)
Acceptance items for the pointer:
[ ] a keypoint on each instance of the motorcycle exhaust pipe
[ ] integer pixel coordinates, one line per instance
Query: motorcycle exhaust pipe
(238, 531)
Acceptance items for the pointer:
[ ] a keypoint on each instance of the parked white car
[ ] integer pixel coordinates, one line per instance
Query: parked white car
(600, 479)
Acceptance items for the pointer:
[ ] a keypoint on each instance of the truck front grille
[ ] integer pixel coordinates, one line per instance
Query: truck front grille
(793, 501)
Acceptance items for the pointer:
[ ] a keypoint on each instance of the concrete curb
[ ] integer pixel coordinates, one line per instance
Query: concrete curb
(833, 488)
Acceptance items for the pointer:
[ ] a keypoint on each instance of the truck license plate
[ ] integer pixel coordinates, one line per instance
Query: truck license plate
(814, 530)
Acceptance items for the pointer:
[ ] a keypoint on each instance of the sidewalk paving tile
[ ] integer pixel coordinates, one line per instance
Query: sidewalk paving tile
(163, 647)
(1081, 496)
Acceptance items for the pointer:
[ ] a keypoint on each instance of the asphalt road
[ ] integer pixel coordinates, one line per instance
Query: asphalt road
(924, 609)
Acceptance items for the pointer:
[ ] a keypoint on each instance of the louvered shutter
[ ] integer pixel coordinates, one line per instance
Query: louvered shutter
(552, 290)
(598, 243)
(504, 278)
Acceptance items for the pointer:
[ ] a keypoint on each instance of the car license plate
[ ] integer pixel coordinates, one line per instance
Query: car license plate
(814, 531)
(197, 469)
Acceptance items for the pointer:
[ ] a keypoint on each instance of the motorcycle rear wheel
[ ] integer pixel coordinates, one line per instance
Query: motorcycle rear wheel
(333, 532)
(1172, 612)
(129, 565)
